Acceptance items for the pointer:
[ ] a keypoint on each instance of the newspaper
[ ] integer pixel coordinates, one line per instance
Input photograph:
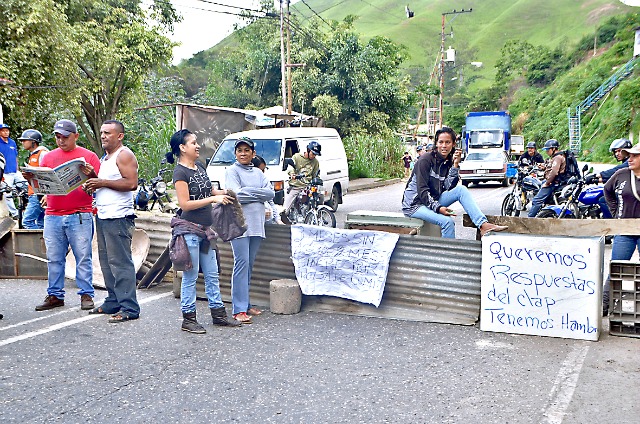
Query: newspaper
(60, 180)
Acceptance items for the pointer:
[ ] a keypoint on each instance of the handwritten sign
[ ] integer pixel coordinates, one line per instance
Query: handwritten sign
(351, 264)
(541, 285)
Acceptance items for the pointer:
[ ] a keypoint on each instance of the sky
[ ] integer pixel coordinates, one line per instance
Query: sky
(205, 24)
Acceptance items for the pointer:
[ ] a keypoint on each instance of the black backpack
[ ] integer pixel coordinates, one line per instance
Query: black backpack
(572, 169)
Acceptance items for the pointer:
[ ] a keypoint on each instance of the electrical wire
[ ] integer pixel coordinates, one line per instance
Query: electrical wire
(314, 12)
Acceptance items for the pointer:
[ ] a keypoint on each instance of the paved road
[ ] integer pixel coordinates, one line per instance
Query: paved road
(66, 366)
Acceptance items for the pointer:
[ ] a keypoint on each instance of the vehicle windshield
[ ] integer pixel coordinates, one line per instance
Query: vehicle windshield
(485, 138)
(269, 149)
(488, 156)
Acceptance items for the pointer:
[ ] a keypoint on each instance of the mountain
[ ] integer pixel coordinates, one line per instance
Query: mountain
(478, 35)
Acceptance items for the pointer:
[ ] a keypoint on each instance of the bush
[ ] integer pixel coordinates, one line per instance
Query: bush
(374, 156)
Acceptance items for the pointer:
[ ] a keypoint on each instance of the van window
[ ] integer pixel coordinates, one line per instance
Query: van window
(269, 149)
(291, 148)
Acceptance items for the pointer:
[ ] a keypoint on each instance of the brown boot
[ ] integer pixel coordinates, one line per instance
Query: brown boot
(86, 302)
(219, 316)
(50, 302)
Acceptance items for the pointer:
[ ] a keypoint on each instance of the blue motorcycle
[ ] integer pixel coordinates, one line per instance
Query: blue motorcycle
(577, 200)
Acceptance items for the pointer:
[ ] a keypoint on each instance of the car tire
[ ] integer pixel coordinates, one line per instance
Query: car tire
(505, 182)
(465, 183)
(334, 199)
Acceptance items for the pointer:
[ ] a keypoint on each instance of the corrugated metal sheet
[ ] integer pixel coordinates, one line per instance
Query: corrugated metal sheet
(430, 279)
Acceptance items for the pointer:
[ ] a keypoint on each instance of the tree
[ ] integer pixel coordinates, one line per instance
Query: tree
(118, 48)
(36, 55)
(86, 57)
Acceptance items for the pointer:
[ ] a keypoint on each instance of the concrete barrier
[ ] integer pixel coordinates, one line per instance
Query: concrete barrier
(285, 297)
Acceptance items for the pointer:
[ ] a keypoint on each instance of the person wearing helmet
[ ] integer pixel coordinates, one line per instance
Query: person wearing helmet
(9, 150)
(617, 149)
(531, 156)
(306, 166)
(553, 173)
(33, 216)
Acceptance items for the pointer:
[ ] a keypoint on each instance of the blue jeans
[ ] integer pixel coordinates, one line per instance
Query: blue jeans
(33, 215)
(447, 225)
(209, 264)
(60, 232)
(623, 247)
(245, 250)
(606, 213)
(114, 250)
(539, 199)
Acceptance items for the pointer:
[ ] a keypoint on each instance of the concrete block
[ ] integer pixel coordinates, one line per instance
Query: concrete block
(285, 297)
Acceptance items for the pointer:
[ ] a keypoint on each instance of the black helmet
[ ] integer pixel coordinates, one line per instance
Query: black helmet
(33, 135)
(551, 144)
(619, 143)
(531, 144)
(314, 147)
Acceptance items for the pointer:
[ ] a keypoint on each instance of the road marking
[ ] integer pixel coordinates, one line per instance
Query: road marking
(64, 324)
(29, 321)
(564, 386)
(488, 344)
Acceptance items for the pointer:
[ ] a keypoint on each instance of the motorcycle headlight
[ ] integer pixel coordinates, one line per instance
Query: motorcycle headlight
(161, 187)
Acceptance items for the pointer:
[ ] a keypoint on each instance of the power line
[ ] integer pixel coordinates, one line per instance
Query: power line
(314, 12)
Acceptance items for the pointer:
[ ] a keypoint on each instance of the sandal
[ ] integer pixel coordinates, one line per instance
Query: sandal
(120, 317)
(97, 310)
(254, 311)
(242, 317)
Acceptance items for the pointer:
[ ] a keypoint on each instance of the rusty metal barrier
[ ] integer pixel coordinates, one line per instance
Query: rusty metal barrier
(430, 279)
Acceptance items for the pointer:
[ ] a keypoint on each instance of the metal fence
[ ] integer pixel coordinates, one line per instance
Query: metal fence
(430, 279)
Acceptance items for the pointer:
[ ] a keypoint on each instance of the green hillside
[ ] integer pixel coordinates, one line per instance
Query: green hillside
(478, 36)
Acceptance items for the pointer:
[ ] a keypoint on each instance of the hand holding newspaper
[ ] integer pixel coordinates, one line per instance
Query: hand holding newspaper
(60, 180)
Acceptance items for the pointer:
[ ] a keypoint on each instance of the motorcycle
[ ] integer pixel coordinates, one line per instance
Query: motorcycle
(20, 192)
(579, 201)
(154, 191)
(526, 186)
(308, 206)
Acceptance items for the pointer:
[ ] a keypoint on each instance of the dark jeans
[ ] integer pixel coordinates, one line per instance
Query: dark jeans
(114, 249)
(539, 200)
(606, 213)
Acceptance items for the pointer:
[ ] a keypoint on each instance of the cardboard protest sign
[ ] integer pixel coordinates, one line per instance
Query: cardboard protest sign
(350, 264)
(542, 285)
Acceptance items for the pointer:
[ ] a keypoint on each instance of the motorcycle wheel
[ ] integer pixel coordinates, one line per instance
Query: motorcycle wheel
(547, 213)
(324, 218)
(509, 206)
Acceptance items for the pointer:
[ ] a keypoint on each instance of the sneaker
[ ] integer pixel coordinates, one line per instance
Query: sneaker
(50, 302)
(86, 302)
(242, 317)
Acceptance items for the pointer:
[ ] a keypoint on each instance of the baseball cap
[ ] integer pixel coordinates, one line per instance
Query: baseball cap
(245, 140)
(65, 127)
(4, 126)
(634, 150)
(419, 148)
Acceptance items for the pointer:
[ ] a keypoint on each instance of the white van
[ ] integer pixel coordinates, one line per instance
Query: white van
(277, 144)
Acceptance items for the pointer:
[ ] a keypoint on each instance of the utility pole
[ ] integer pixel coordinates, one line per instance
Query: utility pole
(289, 103)
(282, 61)
(441, 99)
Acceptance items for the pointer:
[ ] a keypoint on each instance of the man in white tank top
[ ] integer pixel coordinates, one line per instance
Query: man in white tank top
(114, 188)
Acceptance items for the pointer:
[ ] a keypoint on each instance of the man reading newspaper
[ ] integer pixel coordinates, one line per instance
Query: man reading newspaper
(68, 222)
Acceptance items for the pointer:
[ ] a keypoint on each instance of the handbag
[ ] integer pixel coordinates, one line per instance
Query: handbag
(228, 220)
(179, 254)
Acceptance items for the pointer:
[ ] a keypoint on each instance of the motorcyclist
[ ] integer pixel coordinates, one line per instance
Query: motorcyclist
(553, 175)
(306, 165)
(33, 215)
(531, 156)
(616, 148)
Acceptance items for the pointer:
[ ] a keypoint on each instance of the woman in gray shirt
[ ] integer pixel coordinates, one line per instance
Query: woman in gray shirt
(253, 189)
